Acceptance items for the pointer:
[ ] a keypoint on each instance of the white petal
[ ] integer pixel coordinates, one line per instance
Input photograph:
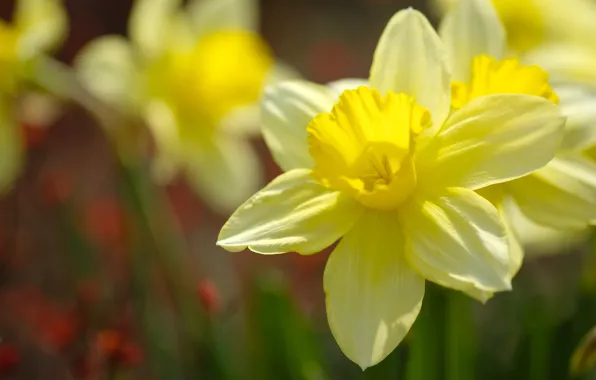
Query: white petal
(339, 86)
(516, 251)
(281, 72)
(373, 297)
(108, 69)
(539, 240)
(44, 24)
(578, 104)
(565, 61)
(294, 213)
(561, 195)
(208, 16)
(286, 111)
(457, 240)
(151, 23)
(492, 139)
(410, 58)
(472, 28)
(225, 172)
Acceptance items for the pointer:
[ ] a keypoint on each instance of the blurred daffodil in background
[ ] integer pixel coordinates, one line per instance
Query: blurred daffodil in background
(562, 195)
(194, 75)
(390, 170)
(38, 27)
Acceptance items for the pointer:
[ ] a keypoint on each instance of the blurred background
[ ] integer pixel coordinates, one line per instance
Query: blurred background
(85, 293)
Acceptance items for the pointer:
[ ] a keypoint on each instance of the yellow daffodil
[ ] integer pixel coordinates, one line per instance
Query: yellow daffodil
(195, 75)
(562, 195)
(389, 170)
(38, 27)
(530, 23)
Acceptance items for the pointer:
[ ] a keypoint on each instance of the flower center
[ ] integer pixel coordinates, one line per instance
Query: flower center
(223, 71)
(507, 76)
(365, 146)
(523, 21)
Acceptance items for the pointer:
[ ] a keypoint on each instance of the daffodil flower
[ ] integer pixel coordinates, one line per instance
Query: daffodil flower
(531, 23)
(562, 195)
(389, 171)
(38, 27)
(195, 75)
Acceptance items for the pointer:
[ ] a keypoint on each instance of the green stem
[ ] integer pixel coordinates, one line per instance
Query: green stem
(147, 201)
(425, 347)
(540, 340)
(124, 132)
(460, 335)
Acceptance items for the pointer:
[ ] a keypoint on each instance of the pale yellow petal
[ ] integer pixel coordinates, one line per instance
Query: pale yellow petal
(243, 121)
(578, 105)
(411, 58)
(458, 240)
(150, 25)
(373, 297)
(492, 139)
(225, 172)
(516, 251)
(286, 110)
(208, 16)
(341, 85)
(468, 30)
(561, 195)
(281, 72)
(565, 61)
(541, 241)
(43, 24)
(107, 67)
(294, 213)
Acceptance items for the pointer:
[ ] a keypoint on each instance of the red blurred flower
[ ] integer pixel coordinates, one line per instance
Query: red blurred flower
(115, 346)
(54, 326)
(58, 329)
(209, 296)
(9, 357)
(105, 221)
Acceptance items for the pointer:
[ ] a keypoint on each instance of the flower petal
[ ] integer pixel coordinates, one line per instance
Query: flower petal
(472, 28)
(225, 172)
(516, 251)
(342, 85)
(561, 195)
(286, 111)
(294, 213)
(457, 240)
(44, 24)
(578, 104)
(539, 240)
(492, 139)
(208, 16)
(373, 297)
(565, 61)
(107, 68)
(411, 58)
(151, 23)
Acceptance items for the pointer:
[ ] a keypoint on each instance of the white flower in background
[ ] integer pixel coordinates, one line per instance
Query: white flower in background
(195, 75)
(38, 27)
